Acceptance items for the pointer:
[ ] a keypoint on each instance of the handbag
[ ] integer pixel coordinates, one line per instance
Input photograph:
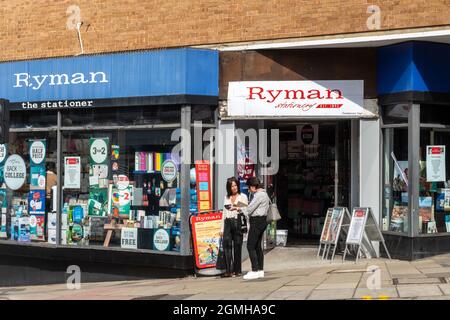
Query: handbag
(242, 219)
(221, 260)
(272, 213)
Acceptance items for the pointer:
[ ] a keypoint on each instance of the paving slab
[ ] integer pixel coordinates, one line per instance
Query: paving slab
(342, 285)
(334, 294)
(342, 278)
(427, 266)
(280, 295)
(445, 288)
(383, 276)
(364, 285)
(424, 290)
(408, 275)
(311, 280)
(250, 296)
(207, 296)
(437, 269)
(400, 271)
(299, 296)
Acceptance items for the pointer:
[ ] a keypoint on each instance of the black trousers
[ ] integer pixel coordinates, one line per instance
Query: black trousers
(232, 245)
(254, 242)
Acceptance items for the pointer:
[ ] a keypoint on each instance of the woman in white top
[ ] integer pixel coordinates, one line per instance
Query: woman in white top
(231, 228)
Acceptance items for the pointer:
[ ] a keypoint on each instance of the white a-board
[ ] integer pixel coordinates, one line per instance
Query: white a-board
(363, 225)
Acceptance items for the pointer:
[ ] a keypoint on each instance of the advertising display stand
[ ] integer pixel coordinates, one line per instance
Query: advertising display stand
(362, 231)
(324, 235)
(205, 230)
(337, 221)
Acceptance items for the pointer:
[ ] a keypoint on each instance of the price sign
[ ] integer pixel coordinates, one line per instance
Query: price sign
(99, 151)
(37, 151)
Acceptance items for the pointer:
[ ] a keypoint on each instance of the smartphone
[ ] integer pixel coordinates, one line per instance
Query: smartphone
(228, 206)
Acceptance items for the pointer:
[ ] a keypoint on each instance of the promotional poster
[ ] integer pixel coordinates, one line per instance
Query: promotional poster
(206, 235)
(98, 202)
(72, 172)
(36, 202)
(36, 210)
(37, 151)
(99, 159)
(203, 185)
(120, 201)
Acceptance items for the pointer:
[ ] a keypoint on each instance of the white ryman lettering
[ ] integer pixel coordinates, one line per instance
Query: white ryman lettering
(36, 82)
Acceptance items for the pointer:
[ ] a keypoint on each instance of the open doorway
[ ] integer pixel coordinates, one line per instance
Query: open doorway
(314, 174)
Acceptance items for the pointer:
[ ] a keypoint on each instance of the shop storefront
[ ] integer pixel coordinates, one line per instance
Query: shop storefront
(94, 137)
(309, 131)
(414, 91)
(390, 155)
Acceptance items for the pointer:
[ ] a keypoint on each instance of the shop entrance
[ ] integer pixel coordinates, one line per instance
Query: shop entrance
(314, 174)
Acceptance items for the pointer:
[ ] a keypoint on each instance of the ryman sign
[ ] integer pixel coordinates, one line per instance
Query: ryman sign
(332, 98)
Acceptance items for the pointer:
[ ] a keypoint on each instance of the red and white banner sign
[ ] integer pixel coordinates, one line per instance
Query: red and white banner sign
(333, 98)
(72, 172)
(436, 164)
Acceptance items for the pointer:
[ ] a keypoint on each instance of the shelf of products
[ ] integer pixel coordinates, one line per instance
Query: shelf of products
(305, 187)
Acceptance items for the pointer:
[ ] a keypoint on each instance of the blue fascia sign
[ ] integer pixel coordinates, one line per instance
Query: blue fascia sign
(84, 80)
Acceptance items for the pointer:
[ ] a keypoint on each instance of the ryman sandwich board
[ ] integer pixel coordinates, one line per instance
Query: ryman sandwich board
(336, 222)
(363, 226)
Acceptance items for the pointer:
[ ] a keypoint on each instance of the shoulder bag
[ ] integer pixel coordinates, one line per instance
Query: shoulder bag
(242, 222)
(272, 213)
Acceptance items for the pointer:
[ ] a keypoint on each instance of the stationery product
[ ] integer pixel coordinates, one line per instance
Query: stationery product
(158, 161)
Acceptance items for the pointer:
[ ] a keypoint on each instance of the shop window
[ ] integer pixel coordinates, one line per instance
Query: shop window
(395, 193)
(27, 218)
(120, 186)
(150, 115)
(32, 119)
(129, 195)
(434, 191)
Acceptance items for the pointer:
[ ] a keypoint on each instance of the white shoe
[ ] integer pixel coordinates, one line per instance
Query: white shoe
(261, 274)
(251, 275)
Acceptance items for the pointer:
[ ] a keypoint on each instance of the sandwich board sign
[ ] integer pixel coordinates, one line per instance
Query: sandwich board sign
(336, 220)
(363, 228)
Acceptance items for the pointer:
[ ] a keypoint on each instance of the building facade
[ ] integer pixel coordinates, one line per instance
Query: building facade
(352, 96)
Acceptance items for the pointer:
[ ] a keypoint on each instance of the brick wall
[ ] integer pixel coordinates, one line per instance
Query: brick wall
(36, 29)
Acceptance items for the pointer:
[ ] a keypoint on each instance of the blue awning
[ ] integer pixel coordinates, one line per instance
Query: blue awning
(156, 73)
(414, 66)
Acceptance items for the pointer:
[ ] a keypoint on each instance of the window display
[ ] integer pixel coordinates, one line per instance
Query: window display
(133, 189)
(434, 211)
(120, 185)
(27, 173)
(432, 181)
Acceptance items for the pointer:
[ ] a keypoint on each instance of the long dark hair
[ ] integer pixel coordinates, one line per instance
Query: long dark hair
(230, 183)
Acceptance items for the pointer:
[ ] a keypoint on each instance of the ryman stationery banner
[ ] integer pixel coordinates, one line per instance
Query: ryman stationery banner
(341, 99)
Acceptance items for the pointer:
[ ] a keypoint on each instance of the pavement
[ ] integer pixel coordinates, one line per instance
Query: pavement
(292, 273)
